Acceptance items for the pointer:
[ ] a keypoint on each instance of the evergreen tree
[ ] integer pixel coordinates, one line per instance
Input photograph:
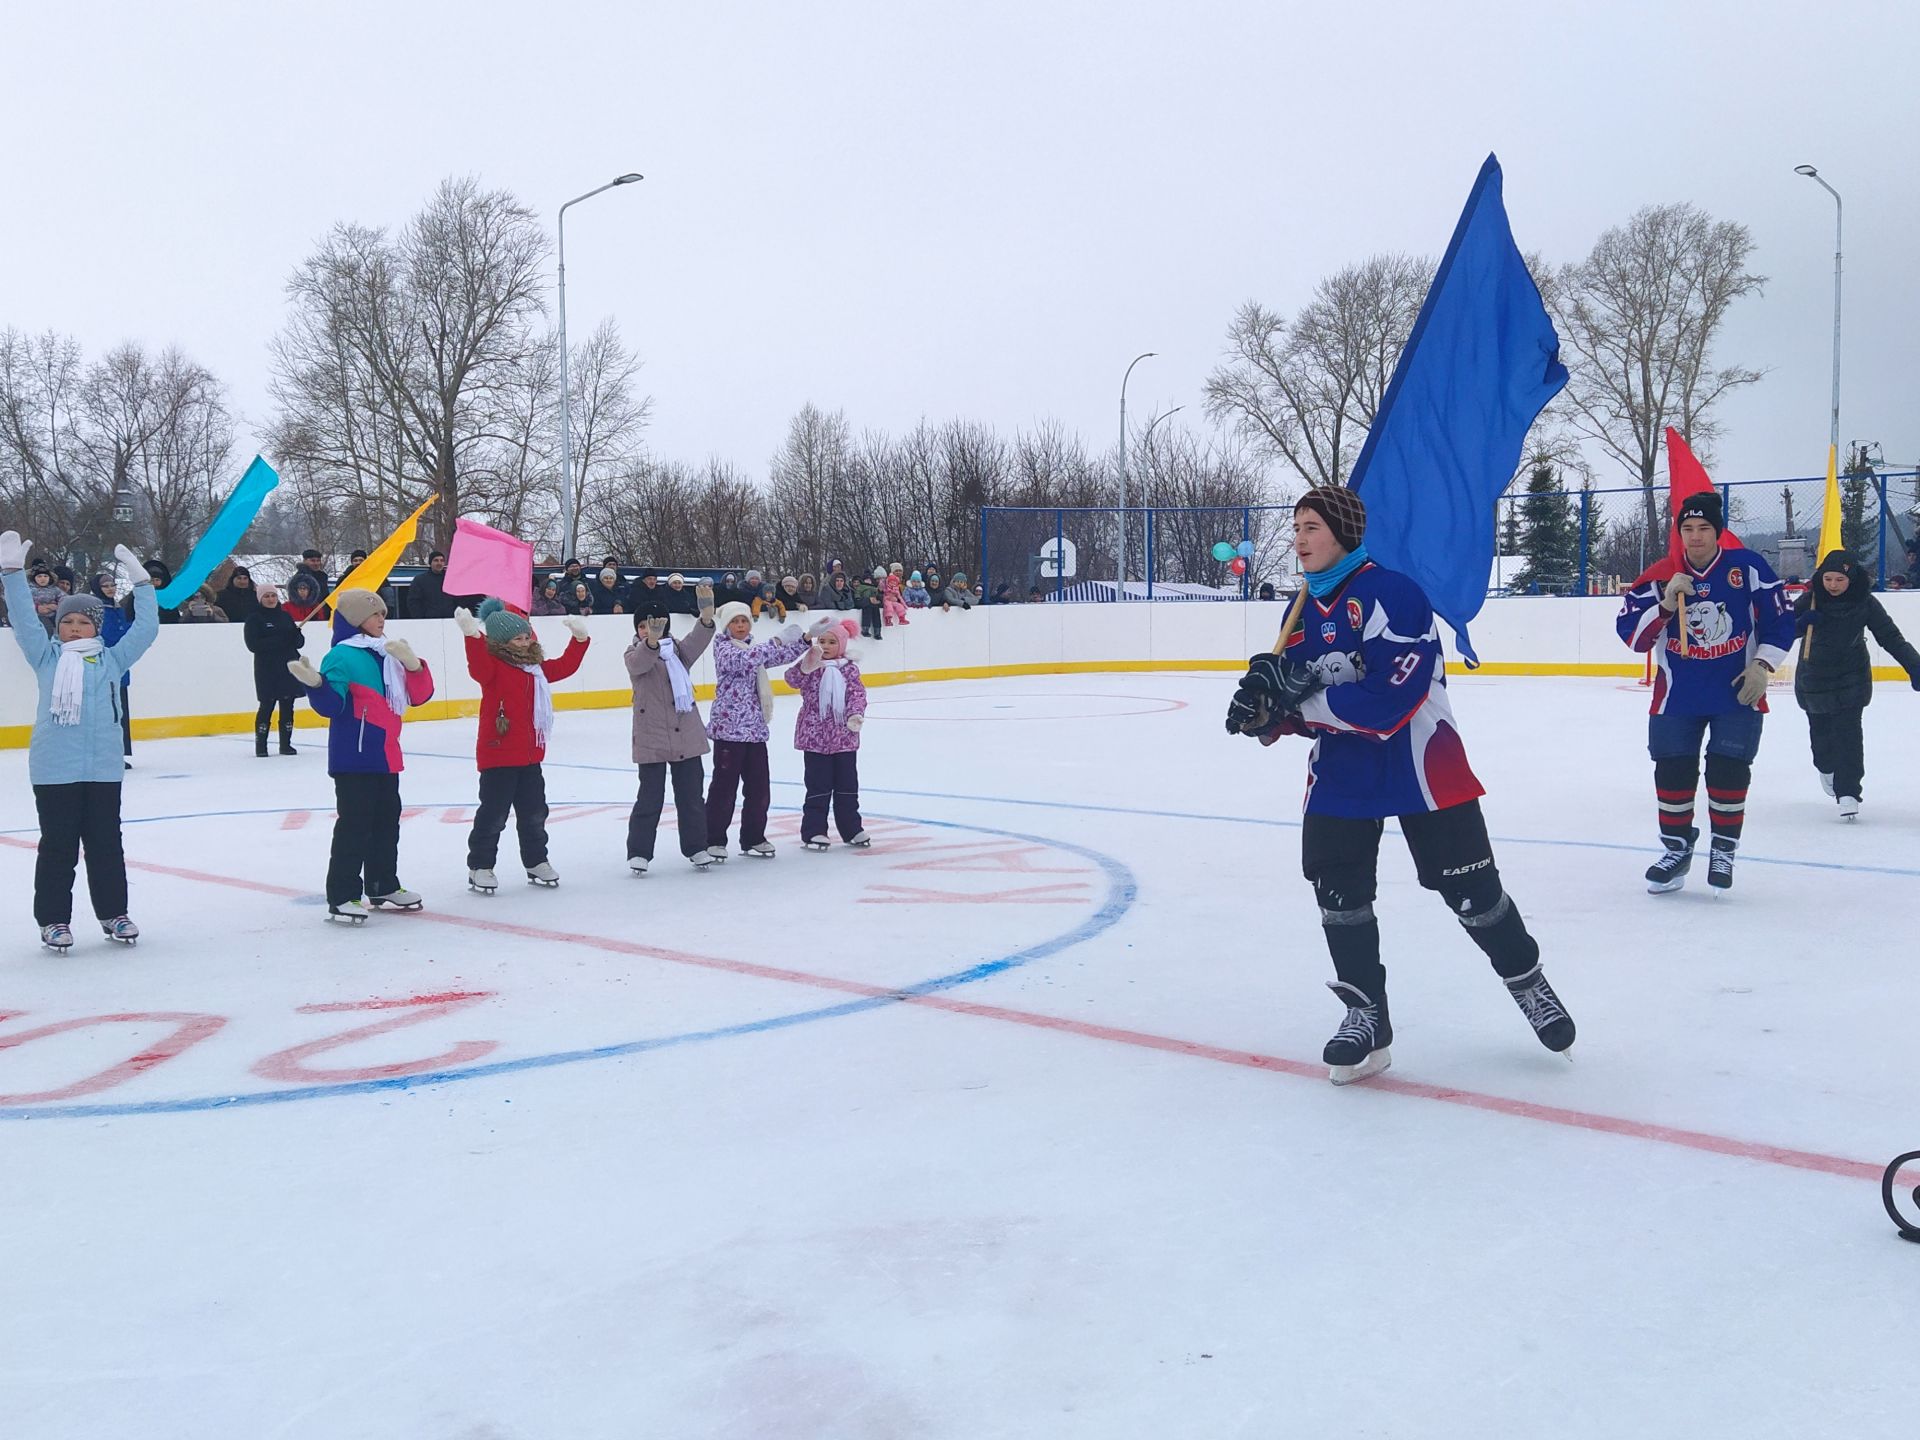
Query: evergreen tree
(1549, 534)
(1859, 531)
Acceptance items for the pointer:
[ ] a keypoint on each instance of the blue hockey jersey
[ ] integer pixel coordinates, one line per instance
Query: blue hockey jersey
(1738, 609)
(1385, 738)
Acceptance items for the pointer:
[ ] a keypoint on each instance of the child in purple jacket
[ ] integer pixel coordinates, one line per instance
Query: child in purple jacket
(833, 707)
(737, 725)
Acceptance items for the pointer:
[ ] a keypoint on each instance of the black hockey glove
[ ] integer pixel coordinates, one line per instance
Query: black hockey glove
(1273, 688)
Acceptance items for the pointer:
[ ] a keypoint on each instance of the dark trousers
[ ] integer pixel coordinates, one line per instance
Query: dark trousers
(735, 761)
(126, 737)
(835, 778)
(689, 808)
(81, 816)
(1839, 749)
(366, 837)
(1453, 857)
(263, 717)
(870, 620)
(523, 790)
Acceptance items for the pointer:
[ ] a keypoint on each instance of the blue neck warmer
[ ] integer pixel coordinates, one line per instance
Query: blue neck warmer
(1327, 581)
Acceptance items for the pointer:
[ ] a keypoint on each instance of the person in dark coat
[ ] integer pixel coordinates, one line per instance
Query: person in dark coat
(427, 597)
(1832, 676)
(116, 619)
(274, 639)
(647, 597)
(609, 594)
(307, 587)
(162, 576)
(238, 598)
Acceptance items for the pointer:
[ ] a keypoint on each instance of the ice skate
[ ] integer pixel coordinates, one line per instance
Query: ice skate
(120, 929)
(1826, 781)
(638, 864)
(57, 938)
(816, 842)
(483, 882)
(862, 841)
(762, 851)
(703, 860)
(1543, 1010)
(1669, 872)
(1359, 1047)
(348, 912)
(543, 875)
(1849, 807)
(717, 853)
(1720, 863)
(398, 898)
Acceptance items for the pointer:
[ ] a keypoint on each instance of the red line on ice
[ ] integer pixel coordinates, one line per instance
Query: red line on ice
(1252, 1060)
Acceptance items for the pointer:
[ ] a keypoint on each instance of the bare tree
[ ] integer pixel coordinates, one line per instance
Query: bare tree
(810, 476)
(609, 415)
(1638, 319)
(40, 489)
(1307, 390)
(406, 358)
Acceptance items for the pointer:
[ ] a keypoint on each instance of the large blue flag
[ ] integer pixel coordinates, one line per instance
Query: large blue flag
(1482, 361)
(223, 534)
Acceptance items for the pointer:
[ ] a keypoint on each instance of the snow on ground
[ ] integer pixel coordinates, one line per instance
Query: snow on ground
(1012, 1126)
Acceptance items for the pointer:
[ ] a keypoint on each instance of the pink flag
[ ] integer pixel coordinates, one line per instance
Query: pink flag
(485, 561)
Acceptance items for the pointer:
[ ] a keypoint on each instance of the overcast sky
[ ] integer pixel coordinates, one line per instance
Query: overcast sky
(979, 210)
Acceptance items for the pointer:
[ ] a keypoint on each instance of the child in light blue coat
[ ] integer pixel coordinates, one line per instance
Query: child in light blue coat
(74, 756)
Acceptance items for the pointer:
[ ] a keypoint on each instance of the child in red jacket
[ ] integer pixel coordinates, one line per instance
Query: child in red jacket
(516, 718)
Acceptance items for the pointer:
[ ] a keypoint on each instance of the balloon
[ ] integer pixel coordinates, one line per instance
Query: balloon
(1246, 549)
(1239, 566)
(1223, 550)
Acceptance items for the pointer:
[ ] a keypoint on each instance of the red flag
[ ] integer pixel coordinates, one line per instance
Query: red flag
(1685, 476)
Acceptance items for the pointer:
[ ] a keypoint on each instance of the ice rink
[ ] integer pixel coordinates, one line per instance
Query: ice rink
(1012, 1126)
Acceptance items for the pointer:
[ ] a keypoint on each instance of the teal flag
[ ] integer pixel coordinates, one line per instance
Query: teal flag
(223, 534)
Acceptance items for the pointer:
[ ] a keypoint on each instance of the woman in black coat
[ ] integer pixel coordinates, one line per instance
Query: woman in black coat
(1832, 676)
(274, 639)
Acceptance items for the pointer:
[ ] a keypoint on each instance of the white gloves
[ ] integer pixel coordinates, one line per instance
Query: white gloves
(791, 634)
(1676, 587)
(854, 722)
(1752, 683)
(812, 660)
(469, 626)
(403, 652)
(576, 627)
(304, 672)
(14, 551)
(133, 565)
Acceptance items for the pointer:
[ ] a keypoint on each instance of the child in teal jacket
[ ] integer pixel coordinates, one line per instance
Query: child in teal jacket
(73, 759)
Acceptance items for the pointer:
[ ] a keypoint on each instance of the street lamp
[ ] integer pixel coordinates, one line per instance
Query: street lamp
(566, 408)
(1120, 591)
(1833, 437)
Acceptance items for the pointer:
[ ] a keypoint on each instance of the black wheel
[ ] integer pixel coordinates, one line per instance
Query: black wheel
(1892, 1196)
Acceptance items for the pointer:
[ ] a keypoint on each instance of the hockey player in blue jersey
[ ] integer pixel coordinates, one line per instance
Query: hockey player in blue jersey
(1364, 676)
(1739, 626)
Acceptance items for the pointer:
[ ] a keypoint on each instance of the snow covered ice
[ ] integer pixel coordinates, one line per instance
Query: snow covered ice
(1011, 1126)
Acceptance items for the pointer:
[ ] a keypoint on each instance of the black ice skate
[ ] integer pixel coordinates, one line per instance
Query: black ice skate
(1669, 872)
(1720, 863)
(1359, 1047)
(1543, 1010)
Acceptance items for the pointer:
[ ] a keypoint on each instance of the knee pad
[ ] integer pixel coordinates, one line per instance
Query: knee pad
(1477, 899)
(1726, 773)
(1680, 772)
(1344, 891)
(1338, 919)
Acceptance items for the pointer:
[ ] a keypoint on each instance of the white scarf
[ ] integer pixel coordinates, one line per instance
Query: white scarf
(833, 693)
(393, 675)
(677, 675)
(542, 704)
(70, 678)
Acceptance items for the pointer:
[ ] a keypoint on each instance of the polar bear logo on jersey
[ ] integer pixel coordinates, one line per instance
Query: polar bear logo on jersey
(1708, 623)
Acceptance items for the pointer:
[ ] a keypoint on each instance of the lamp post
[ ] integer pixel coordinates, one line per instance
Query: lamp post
(1120, 590)
(1833, 437)
(566, 407)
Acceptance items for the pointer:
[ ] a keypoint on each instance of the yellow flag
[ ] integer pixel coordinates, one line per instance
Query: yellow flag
(1830, 521)
(371, 573)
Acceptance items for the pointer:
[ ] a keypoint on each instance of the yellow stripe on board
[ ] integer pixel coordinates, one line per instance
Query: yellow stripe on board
(176, 727)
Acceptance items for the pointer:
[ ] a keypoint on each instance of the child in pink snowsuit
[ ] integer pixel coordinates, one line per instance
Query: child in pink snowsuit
(833, 707)
(893, 602)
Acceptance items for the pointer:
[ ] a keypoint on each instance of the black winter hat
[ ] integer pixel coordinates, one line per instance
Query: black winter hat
(1343, 511)
(1702, 505)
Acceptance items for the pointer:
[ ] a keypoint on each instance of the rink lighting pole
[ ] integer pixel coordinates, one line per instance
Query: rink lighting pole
(1120, 591)
(1833, 437)
(566, 408)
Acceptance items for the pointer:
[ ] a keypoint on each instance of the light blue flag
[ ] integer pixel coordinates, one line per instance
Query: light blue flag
(1482, 361)
(223, 534)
